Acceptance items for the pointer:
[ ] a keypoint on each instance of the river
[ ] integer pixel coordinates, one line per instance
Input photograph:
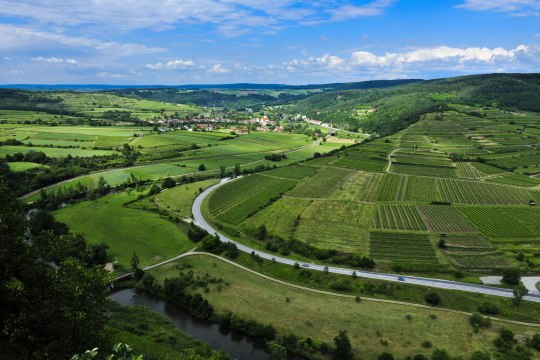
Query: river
(237, 345)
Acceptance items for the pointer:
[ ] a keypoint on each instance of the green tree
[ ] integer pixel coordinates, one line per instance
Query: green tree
(222, 171)
(343, 349)
(440, 354)
(511, 276)
(519, 292)
(202, 167)
(134, 262)
(262, 233)
(52, 304)
(168, 183)
(277, 352)
(535, 341)
(236, 169)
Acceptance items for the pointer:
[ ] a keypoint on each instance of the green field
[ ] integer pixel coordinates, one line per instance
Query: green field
(400, 248)
(125, 230)
(320, 316)
(23, 166)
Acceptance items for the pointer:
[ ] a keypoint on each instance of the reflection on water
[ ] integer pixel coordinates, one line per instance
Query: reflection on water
(237, 345)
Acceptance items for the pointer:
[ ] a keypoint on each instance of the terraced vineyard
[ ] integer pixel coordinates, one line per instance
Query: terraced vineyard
(444, 179)
(490, 221)
(240, 199)
(445, 219)
(402, 248)
(398, 217)
(322, 183)
(297, 172)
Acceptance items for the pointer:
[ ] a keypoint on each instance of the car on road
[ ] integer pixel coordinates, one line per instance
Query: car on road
(401, 278)
(305, 265)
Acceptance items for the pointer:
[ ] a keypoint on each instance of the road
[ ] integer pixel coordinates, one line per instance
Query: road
(415, 280)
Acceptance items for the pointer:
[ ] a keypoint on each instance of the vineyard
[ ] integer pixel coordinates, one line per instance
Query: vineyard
(398, 217)
(322, 183)
(296, 172)
(496, 222)
(402, 248)
(444, 219)
(336, 225)
(240, 199)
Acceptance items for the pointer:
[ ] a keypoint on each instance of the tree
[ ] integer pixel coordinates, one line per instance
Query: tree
(440, 354)
(53, 304)
(168, 183)
(262, 232)
(236, 169)
(343, 346)
(277, 352)
(134, 262)
(222, 171)
(432, 298)
(386, 356)
(202, 167)
(535, 341)
(511, 276)
(519, 292)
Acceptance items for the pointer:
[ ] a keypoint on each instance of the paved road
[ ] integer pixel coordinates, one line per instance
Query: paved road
(433, 283)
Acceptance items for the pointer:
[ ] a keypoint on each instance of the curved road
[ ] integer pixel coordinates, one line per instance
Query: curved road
(434, 283)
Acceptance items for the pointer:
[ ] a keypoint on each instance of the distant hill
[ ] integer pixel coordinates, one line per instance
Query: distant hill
(396, 108)
(239, 86)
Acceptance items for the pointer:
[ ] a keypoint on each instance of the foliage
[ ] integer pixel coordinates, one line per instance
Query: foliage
(343, 346)
(432, 298)
(53, 304)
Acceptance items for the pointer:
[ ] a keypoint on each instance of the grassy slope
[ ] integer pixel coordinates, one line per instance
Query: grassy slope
(321, 316)
(125, 230)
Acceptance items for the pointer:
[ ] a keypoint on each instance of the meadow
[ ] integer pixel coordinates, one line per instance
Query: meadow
(125, 230)
(401, 328)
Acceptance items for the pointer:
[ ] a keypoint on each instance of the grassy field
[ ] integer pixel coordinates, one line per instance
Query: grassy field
(373, 327)
(21, 166)
(125, 230)
(178, 200)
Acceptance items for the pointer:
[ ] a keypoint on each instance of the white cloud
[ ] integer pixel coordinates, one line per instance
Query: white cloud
(54, 60)
(218, 69)
(231, 17)
(26, 39)
(373, 8)
(515, 7)
(441, 59)
(173, 64)
(441, 54)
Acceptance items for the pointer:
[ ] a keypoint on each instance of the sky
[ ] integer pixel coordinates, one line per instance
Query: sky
(174, 42)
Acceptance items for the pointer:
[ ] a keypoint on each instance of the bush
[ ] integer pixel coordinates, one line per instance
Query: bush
(479, 321)
(432, 298)
(440, 354)
(511, 276)
(386, 356)
(420, 357)
(535, 341)
(427, 344)
(488, 309)
(480, 355)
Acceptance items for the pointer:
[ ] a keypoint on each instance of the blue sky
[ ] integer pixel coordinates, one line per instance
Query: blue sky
(259, 41)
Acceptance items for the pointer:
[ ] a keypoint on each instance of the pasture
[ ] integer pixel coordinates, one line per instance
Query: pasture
(125, 230)
(320, 316)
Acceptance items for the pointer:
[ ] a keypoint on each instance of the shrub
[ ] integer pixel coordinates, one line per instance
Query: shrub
(386, 356)
(420, 357)
(535, 341)
(511, 276)
(432, 298)
(488, 308)
(479, 321)
(440, 354)
(427, 344)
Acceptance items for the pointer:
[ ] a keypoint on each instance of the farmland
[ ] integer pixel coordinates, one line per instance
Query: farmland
(445, 177)
(402, 248)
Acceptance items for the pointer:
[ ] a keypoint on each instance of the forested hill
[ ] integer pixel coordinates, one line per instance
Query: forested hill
(386, 111)
(255, 96)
